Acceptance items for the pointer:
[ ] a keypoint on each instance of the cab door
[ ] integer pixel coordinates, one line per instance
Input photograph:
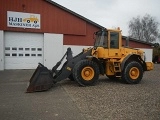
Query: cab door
(114, 44)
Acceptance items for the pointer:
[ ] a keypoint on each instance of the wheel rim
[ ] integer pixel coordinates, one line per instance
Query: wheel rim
(87, 73)
(134, 73)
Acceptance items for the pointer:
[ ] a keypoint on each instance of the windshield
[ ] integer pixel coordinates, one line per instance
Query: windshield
(101, 39)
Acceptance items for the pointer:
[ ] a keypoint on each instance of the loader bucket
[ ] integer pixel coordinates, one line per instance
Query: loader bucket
(41, 80)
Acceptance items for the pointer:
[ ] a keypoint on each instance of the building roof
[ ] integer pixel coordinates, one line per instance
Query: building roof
(139, 41)
(89, 21)
(70, 11)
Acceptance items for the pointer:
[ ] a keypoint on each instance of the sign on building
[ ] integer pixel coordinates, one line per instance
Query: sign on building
(23, 20)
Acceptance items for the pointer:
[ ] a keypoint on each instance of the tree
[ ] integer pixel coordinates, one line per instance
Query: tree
(144, 29)
(156, 45)
(156, 50)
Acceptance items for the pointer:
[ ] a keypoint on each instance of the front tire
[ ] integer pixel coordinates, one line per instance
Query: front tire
(132, 73)
(86, 72)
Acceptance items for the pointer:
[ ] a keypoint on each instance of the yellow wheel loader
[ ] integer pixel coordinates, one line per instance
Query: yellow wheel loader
(106, 57)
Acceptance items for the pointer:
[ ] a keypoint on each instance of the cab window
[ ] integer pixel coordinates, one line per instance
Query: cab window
(114, 40)
(101, 39)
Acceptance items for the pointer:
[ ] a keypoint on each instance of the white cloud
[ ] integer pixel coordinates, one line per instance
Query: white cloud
(113, 13)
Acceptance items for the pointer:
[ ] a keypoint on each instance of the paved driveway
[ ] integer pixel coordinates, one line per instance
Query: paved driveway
(108, 100)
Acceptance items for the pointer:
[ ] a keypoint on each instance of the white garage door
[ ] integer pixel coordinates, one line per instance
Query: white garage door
(23, 50)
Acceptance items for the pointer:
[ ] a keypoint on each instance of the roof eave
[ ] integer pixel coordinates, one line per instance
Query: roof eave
(135, 40)
(70, 11)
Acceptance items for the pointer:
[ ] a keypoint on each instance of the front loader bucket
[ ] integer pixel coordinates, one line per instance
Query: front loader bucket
(41, 80)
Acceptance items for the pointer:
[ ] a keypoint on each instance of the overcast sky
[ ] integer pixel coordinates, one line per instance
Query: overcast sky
(113, 13)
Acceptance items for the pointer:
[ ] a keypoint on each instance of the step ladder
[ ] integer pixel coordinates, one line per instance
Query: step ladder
(117, 69)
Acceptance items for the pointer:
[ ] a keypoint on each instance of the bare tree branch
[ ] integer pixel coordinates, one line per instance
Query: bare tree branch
(144, 29)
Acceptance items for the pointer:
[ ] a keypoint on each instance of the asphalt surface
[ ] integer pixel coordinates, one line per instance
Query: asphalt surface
(107, 100)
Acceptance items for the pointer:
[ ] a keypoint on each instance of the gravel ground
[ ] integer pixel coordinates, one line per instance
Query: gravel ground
(114, 100)
(108, 100)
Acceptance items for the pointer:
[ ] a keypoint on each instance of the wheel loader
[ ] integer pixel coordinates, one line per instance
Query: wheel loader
(107, 57)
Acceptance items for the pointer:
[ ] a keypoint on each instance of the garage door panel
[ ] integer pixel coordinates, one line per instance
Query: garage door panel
(23, 50)
(23, 63)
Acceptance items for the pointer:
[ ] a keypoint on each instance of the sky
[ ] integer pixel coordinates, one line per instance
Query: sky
(113, 13)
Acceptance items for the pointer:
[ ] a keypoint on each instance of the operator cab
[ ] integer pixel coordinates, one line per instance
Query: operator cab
(107, 39)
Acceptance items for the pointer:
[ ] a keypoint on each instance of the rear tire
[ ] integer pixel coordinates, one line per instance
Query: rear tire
(86, 72)
(132, 73)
